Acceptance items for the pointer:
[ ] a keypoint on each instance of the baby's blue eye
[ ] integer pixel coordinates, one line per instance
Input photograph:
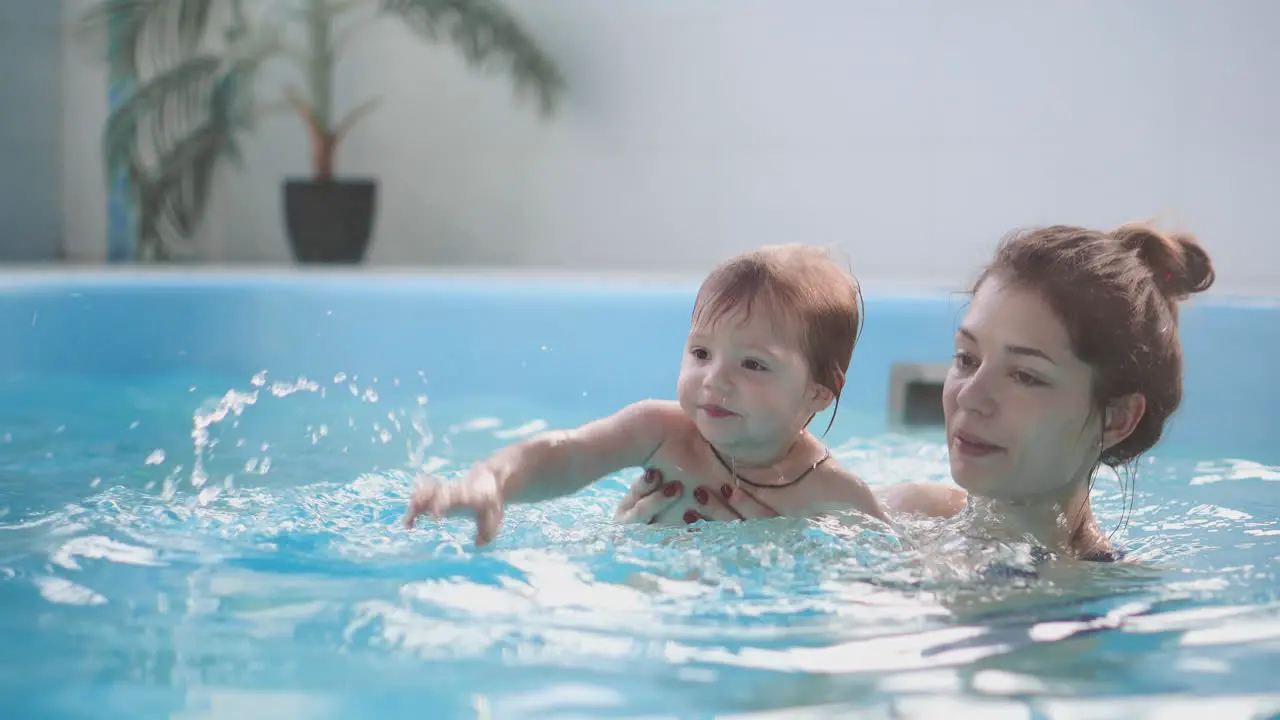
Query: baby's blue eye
(699, 353)
(753, 365)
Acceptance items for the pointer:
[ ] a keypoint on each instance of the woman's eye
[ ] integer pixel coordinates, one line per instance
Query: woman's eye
(1025, 378)
(963, 360)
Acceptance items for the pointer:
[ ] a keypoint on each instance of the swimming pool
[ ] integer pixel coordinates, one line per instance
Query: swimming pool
(202, 475)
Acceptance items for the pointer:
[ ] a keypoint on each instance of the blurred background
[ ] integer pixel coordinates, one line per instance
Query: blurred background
(659, 135)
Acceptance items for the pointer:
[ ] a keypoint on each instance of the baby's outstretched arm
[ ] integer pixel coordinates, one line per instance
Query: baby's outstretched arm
(549, 465)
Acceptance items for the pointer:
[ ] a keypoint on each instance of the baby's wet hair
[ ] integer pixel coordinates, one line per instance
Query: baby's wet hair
(802, 286)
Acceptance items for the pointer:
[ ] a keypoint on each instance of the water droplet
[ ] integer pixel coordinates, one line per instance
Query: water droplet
(95, 482)
(339, 377)
(156, 457)
(422, 400)
(60, 429)
(385, 436)
(264, 466)
(370, 395)
(260, 379)
(324, 430)
(134, 425)
(251, 465)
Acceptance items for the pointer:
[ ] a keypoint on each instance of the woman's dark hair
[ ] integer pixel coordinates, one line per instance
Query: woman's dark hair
(1117, 293)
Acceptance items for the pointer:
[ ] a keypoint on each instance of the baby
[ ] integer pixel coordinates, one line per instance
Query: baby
(771, 337)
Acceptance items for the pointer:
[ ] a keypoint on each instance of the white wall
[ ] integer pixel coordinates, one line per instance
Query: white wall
(84, 97)
(910, 133)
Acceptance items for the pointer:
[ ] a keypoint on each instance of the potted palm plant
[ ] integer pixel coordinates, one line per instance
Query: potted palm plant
(190, 68)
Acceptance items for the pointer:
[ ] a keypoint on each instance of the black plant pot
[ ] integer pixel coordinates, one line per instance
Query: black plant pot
(329, 221)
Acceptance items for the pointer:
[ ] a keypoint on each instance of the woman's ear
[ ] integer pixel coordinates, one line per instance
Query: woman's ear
(1121, 417)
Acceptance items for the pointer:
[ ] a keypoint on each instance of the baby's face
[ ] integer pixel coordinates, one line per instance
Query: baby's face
(745, 382)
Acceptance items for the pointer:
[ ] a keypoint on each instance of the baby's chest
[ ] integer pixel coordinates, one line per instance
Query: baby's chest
(693, 472)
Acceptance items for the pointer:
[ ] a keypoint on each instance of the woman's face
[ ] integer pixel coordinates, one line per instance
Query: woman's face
(1020, 418)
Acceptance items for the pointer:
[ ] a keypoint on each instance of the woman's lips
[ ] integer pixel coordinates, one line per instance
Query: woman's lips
(973, 446)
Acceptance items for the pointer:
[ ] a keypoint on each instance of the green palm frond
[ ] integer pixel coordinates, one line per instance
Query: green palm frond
(173, 199)
(151, 33)
(168, 137)
(486, 33)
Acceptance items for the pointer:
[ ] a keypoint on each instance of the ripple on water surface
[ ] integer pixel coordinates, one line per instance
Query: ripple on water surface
(208, 546)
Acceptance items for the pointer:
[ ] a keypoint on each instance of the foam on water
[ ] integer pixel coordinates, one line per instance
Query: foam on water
(196, 546)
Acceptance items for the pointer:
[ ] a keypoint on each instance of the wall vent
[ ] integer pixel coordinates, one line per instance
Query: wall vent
(915, 394)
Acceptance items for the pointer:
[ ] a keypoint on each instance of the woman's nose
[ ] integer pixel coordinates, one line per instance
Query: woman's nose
(975, 394)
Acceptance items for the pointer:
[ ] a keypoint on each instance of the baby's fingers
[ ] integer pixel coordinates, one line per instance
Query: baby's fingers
(438, 500)
(419, 502)
(488, 521)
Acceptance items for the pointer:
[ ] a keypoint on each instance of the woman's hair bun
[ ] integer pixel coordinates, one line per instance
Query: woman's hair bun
(1178, 264)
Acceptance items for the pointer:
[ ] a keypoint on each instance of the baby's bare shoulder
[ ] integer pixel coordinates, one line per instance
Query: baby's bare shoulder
(837, 480)
(656, 410)
(680, 434)
(842, 488)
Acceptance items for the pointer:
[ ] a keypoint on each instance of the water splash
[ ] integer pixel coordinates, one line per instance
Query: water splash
(232, 403)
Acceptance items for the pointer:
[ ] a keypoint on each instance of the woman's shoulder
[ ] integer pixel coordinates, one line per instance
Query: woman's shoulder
(933, 499)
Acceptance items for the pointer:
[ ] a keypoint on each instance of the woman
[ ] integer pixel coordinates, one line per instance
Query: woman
(1067, 359)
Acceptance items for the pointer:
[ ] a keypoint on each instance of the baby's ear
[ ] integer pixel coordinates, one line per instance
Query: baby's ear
(821, 396)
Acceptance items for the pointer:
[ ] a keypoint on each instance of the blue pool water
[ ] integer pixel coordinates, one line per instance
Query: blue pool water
(202, 477)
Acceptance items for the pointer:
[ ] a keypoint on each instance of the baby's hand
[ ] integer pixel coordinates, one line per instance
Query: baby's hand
(478, 494)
